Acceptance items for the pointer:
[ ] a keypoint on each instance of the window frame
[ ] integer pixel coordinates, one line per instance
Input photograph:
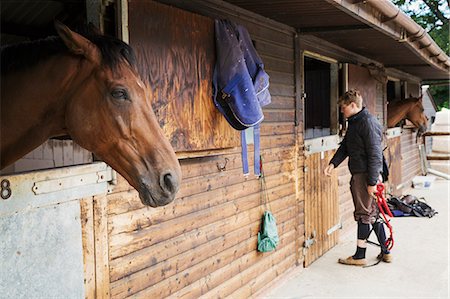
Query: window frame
(331, 141)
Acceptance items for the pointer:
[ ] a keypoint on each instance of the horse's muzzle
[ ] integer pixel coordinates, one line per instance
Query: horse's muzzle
(162, 194)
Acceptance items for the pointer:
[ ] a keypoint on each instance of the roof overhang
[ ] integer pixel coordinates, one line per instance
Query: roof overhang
(375, 29)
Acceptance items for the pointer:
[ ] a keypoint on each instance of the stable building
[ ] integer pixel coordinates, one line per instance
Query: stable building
(204, 243)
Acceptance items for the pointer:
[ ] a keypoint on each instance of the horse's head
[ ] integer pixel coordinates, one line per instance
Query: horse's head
(416, 114)
(109, 113)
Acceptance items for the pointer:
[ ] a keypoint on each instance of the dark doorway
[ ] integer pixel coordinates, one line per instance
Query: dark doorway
(318, 94)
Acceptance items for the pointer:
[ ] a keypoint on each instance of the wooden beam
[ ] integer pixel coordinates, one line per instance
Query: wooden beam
(334, 28)
(298, 84)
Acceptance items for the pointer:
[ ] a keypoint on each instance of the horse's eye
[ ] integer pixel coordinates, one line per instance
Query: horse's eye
(120, 94)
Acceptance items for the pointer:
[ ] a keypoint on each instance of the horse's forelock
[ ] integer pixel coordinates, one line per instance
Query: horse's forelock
(114, 51)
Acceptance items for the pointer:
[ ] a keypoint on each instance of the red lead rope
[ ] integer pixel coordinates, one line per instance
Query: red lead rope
(384, 209)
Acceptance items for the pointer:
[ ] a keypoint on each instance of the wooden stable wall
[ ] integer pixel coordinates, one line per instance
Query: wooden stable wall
(204, 244)
(52, 153)
(393, 157)
(409, 157)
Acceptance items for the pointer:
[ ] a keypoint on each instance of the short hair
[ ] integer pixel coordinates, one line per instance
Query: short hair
(351, 96)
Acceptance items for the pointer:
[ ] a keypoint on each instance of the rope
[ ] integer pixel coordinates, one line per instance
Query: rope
(384, 209)
(264, 196)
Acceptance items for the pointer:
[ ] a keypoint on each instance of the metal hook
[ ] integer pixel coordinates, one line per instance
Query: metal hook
(224, 167)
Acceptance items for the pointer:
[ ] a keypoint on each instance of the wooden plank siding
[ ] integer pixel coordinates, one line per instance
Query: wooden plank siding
(393, 156)
(410, 157)
(204, 244)
(346, 207)
(321, 211)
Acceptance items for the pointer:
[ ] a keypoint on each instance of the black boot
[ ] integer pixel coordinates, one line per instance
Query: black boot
(378, 227)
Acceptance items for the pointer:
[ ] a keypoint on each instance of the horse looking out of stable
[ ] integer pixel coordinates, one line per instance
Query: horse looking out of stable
(88, 88)
(411, 109)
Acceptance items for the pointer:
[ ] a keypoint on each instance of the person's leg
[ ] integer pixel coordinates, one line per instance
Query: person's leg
(385, 254)
(365, 205)
(363, 215)
(361, 244)
(378, 228)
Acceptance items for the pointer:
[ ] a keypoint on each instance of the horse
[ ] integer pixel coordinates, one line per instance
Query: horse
(87, 87)
(411, 109)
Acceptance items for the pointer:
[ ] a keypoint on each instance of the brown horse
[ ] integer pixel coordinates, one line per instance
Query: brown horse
(88, 88)
(411, 109)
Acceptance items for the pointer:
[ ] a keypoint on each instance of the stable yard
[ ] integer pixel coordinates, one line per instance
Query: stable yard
(420, 268)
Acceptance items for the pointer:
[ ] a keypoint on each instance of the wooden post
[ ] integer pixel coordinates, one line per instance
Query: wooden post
(87, 228)
(122, 20)
(101, 247)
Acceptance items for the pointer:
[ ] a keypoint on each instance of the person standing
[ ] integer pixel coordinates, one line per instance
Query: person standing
(362, 145)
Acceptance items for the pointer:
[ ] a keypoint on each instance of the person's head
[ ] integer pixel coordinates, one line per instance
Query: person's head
(350, 103)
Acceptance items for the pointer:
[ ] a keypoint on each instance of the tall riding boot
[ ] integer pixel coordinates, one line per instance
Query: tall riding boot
(385, 255)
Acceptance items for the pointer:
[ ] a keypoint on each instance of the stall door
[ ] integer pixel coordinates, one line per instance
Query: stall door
(321, 207)
(42, 217)
(393, 157)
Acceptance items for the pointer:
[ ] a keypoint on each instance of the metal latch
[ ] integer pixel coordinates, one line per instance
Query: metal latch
(309, 242)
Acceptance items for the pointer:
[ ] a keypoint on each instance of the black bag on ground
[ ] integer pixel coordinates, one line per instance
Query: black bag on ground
(410, 205)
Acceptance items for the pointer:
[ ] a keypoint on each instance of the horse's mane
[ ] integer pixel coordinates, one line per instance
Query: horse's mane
(406, 101)
(27, 54)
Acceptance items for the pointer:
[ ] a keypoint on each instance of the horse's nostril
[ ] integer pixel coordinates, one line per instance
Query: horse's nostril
(169, 183)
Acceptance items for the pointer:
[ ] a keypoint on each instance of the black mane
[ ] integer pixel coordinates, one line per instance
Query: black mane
(27, 54)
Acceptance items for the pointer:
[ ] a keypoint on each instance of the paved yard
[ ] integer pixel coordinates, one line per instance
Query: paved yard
(420, 268)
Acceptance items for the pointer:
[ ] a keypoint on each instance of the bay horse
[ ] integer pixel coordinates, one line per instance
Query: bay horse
(87, 87)
(411, 109)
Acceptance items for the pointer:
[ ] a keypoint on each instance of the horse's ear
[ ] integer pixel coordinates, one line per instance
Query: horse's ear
(77, 44)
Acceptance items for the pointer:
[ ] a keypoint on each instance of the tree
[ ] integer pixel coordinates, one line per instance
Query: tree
(434, 16)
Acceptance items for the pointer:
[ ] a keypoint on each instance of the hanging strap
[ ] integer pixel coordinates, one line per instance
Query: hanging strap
(244, 155)
(264, 196)
(257, 156)
(256, 152)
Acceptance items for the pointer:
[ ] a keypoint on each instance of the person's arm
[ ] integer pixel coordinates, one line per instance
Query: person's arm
(337, 159)
(372, 145)
(340, 154)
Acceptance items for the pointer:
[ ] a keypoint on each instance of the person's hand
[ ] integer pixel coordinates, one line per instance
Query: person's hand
(372, 190)
(328, 170)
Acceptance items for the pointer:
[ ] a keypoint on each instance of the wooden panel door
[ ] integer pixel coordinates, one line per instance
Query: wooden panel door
(321, 207)
(176, 56)
(393, 157)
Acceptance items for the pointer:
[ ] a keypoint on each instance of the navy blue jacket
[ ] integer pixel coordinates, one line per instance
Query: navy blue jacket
(362, 144)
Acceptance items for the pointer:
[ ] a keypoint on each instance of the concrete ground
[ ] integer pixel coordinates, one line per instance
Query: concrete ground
(420, 268)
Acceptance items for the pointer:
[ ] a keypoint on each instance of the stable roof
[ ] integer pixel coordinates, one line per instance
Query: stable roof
(376, 29)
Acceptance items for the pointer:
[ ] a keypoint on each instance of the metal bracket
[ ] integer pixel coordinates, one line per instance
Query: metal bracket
(35, 189)
(309, 242)
(335, 227)
(48, 186)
